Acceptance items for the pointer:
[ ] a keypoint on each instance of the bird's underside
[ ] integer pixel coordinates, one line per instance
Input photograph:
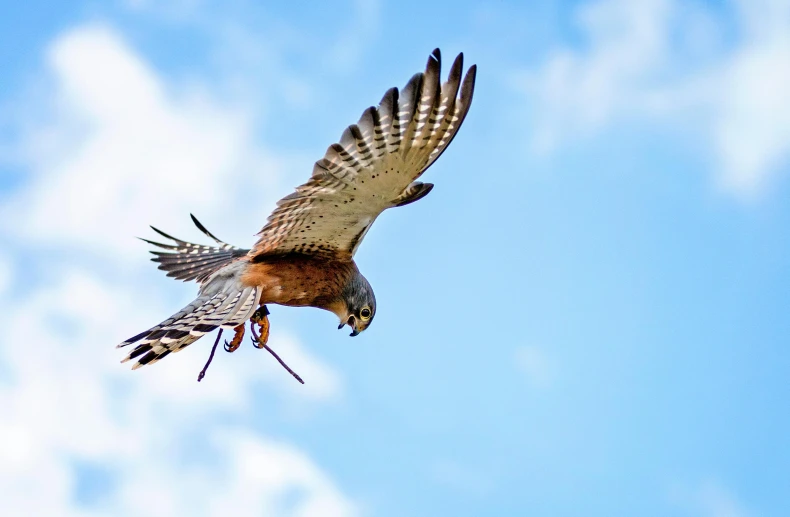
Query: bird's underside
(304, 253)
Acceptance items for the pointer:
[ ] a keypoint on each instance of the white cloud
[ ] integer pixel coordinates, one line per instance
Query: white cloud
(263, 474)
(662, 60)
(752, 119)
(537, 366)
(66, 397)
(122, 149)
(256, 477)
(140, 149)
(581, 92)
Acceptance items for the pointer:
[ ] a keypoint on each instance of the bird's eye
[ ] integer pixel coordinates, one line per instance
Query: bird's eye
(364, 314)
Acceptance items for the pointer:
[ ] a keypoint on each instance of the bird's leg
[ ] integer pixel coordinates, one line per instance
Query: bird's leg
(261, 318)
(236, 341)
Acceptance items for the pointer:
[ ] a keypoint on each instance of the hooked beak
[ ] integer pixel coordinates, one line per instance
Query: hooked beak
(352, 322)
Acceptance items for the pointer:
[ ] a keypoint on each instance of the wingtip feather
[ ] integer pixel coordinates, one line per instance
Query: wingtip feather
(468, 86)
(456, 69)
(163, 234)
(204, 230)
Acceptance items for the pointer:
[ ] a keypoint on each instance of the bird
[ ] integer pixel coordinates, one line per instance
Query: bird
(304, 255)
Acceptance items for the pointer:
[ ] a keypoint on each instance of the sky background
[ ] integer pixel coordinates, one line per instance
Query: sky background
(587, 316)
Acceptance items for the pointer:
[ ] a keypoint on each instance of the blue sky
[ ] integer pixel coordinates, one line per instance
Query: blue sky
(587, 316)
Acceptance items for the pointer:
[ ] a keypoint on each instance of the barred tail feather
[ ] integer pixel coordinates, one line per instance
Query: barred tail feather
(188, 261)
(224, 305)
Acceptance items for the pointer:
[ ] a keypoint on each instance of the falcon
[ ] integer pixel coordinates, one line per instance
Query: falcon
(304, 256)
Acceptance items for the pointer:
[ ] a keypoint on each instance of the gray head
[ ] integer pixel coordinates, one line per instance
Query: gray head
(357, 305)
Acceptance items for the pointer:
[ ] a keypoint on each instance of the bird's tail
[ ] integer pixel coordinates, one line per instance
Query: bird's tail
(223, 303)
(189, 261)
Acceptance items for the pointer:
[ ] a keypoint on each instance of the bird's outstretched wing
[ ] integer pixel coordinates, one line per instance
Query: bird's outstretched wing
(372, 168)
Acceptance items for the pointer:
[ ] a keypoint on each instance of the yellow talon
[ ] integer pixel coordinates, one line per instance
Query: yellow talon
(261, 318)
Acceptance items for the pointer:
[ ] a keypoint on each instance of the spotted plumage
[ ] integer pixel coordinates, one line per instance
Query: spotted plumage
(304, 253)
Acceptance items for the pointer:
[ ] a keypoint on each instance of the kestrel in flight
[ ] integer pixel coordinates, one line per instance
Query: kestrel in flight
(305, 254)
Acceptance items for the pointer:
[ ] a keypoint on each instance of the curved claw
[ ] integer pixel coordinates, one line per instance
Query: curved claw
(256, 343)
(260, 318)
(236, 341)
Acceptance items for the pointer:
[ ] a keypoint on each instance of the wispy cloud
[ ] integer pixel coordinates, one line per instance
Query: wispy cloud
(666, 61)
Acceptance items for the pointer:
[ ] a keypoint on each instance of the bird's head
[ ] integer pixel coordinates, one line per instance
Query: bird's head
(357, 305)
